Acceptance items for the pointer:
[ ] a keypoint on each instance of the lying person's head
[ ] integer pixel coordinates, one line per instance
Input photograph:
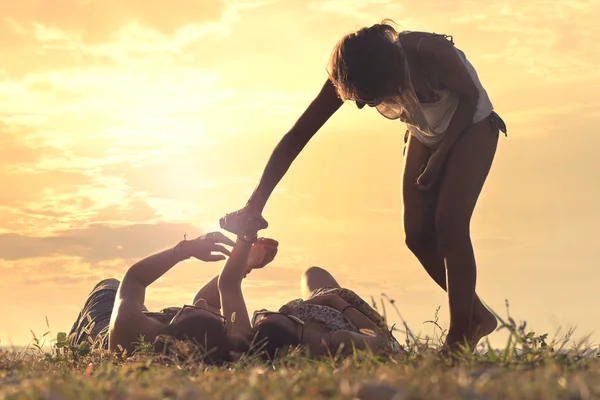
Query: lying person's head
(276, 332)
(197, 334)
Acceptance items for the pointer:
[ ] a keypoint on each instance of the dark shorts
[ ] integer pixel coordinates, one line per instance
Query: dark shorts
(92, 324)
(494, 118)
(93, 321)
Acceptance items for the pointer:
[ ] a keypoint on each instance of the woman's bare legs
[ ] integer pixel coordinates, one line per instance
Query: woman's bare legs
(465, 173)
(421, 237)
(316, 278)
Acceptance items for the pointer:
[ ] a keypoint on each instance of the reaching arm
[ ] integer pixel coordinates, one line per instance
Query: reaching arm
(230, 289)
(143, 273)
(318, 112)
(261, 254)
(127, 320)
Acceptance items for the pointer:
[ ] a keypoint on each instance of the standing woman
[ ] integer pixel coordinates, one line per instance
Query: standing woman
(426, 82)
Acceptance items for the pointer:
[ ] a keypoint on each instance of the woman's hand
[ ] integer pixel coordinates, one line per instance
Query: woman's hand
(204, 246)
(244, 223)
(432, 171)
(262, 253)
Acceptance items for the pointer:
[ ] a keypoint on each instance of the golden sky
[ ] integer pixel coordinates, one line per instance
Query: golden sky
(125, 124)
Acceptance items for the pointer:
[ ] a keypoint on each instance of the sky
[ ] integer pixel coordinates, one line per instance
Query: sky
(126, 124)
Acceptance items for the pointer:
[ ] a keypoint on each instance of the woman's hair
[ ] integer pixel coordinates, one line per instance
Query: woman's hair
(195, 338)
(367, 64)
(271, 337)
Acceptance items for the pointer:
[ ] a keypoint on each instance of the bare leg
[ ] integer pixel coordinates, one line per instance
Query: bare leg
(421, 238)
(465, 173)
(316, 278)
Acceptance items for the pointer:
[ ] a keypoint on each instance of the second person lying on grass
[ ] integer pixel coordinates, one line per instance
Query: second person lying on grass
(328, 319)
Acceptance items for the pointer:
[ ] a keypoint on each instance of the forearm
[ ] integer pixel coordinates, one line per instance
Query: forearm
(290, 146)
(462, 119)
(148, 270)
(235, 269)
(230, 289)
(277, 166)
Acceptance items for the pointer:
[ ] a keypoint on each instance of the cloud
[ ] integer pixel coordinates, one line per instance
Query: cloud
(358, 9)
(554, 41)
(97, 20)
(15, 149)
(97, 242)
(71, 34)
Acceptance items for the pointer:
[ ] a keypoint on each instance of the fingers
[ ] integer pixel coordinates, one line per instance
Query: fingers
(214, 257)
(268, 242)
(220, 249)
(218, 237)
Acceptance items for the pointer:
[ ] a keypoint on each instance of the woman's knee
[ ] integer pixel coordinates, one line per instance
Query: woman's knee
(418, 239)
(451, 232)
(315, 272)
(316, 278)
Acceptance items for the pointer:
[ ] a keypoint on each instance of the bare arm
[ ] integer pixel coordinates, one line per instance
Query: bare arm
(127, 320)
(454, 75)
(230, 289)
(318, 112)
(146, 271)
(263, 251)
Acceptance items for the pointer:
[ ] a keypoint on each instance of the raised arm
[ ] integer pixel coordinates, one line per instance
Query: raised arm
(230, 289)
(145, 272)
(128, 321)
(318, 112)
(248, 220)
(261, 254)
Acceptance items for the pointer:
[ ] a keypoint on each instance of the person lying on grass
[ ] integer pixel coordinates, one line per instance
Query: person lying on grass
(114, 316)
(327, 320)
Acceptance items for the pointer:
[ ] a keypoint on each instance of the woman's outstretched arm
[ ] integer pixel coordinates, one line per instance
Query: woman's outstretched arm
(318, 112)
(248, 220)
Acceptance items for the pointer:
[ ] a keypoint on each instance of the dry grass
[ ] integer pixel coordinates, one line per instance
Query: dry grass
(528, 367)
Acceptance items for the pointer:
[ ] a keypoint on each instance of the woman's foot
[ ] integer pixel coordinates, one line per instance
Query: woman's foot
(483, 323)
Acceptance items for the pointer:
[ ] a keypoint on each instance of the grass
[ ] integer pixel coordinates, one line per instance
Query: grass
(528, 367)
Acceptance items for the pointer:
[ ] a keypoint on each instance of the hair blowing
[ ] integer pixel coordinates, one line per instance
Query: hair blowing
(367, 64)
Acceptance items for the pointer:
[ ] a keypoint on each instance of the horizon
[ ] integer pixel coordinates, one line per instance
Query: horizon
(125, 127)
